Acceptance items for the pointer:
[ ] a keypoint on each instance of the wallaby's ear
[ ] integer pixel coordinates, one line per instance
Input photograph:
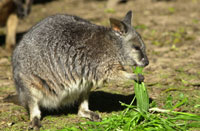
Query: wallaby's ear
(128, 18)
(118, 26)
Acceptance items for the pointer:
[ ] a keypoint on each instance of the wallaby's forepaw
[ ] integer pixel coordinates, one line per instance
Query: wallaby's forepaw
(35, 124)
(131, 76)
(140, 78)
(90, 115)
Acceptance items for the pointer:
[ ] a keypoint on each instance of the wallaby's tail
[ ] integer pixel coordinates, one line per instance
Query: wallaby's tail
(12, 99)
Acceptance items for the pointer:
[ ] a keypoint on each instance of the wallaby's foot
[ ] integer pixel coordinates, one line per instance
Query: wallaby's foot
(90, 115)
(85, 112)
(35, 124)
(35, 115)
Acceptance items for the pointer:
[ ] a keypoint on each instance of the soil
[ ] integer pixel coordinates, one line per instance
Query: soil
(171, 31)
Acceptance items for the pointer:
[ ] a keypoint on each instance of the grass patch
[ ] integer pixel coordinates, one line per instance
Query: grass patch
(140, 117)
(171, 38)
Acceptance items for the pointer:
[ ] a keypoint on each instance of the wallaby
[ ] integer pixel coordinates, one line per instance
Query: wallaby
(10, 11)
(61, 58)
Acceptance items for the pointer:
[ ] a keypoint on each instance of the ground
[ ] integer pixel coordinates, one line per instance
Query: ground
(171, 31)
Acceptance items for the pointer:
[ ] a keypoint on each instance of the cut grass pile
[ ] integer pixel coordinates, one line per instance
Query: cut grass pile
(141, 118)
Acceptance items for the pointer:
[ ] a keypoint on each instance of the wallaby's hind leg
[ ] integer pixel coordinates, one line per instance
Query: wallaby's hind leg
(35, 115)
(85, 112)
(11, 26)
(23, 85)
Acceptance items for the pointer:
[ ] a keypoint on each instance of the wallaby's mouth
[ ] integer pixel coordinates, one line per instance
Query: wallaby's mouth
(144, 62)
(128, 69)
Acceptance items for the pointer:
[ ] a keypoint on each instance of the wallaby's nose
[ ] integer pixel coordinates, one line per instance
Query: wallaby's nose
(145, 61)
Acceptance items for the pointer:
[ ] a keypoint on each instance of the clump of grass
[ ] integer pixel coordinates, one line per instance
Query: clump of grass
(141, 118)
(172, 38)
(171, 10)
(141, 93)
(109, 10)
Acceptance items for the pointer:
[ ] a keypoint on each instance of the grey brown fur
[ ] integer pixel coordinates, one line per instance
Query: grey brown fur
(61, 58)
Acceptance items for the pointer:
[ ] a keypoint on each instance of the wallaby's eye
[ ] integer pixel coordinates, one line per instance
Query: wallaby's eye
(136, 43)
(137, 47)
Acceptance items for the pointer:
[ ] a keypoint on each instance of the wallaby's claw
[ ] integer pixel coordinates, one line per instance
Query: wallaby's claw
(140, 78)
(95, 117)
(90, 115)
(35, 124)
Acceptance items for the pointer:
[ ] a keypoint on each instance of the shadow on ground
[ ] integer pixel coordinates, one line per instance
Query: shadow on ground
(42, 1)
(99, 101)
(108, 102)
(18, 38)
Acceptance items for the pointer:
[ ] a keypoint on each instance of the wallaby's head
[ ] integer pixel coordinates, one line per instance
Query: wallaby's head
(133, 47)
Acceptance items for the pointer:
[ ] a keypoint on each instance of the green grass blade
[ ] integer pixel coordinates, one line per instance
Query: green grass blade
(141, 93)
